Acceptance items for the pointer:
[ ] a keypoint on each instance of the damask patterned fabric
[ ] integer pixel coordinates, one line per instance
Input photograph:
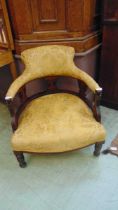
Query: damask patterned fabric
(49, 61)
(56, 123)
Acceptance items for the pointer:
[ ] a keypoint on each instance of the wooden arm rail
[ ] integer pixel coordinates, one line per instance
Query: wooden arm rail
(51, 85)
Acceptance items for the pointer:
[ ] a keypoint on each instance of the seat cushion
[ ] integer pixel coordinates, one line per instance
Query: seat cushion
(56, 123)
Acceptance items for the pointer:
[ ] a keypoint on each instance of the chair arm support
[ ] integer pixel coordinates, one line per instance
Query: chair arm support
(14, 118)
(14, 122)
(9, 103)
(96, 104)
(15, 108)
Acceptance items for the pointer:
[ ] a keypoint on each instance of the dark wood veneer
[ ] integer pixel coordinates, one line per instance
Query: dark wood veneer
(109, 61)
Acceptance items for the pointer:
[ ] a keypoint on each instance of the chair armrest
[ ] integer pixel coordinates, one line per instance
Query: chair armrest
(73, 72)
(16, 85)
(86, 78)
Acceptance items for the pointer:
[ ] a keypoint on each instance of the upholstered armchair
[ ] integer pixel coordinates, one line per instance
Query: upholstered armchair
(54, 118)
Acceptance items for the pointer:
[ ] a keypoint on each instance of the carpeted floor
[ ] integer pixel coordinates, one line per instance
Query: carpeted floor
(71, 181)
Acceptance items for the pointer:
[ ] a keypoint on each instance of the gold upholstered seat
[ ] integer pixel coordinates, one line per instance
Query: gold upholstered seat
(56, 123)
(53, 119)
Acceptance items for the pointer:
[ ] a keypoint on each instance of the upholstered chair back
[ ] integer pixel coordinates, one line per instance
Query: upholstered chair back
(49, 60)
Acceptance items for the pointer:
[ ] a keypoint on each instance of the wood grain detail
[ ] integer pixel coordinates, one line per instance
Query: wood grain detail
(5, 58)
(67, 22)
(79, 45)
(109, 62)
(21, 16)
(48, 14)
(111, 9)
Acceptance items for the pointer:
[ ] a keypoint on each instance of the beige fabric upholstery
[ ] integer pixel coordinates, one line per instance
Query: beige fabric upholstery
(56, 123)
(49, 61)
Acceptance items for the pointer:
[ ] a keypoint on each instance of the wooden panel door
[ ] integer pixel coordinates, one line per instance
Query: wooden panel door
(48, 15)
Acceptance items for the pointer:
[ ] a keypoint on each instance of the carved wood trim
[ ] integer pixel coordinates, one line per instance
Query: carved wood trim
(54, 19)
(47, 15)
(81, 45)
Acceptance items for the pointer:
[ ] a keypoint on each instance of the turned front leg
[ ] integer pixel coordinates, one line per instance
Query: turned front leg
(98, 147)
(21, 159)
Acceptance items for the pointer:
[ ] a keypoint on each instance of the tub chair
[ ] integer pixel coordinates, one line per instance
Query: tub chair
(52, 116)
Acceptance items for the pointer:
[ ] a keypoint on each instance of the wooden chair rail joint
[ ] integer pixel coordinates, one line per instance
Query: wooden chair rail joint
(96, 104)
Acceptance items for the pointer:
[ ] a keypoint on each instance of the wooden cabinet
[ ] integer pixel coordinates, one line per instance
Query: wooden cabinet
(109, 58)
(6, 40)
(6, 47)
(68, 22)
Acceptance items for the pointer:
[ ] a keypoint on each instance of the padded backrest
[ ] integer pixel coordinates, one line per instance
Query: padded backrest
(48, 60)
(51, 60)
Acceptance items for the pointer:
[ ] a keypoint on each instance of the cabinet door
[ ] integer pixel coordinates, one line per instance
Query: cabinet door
(48, 15)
